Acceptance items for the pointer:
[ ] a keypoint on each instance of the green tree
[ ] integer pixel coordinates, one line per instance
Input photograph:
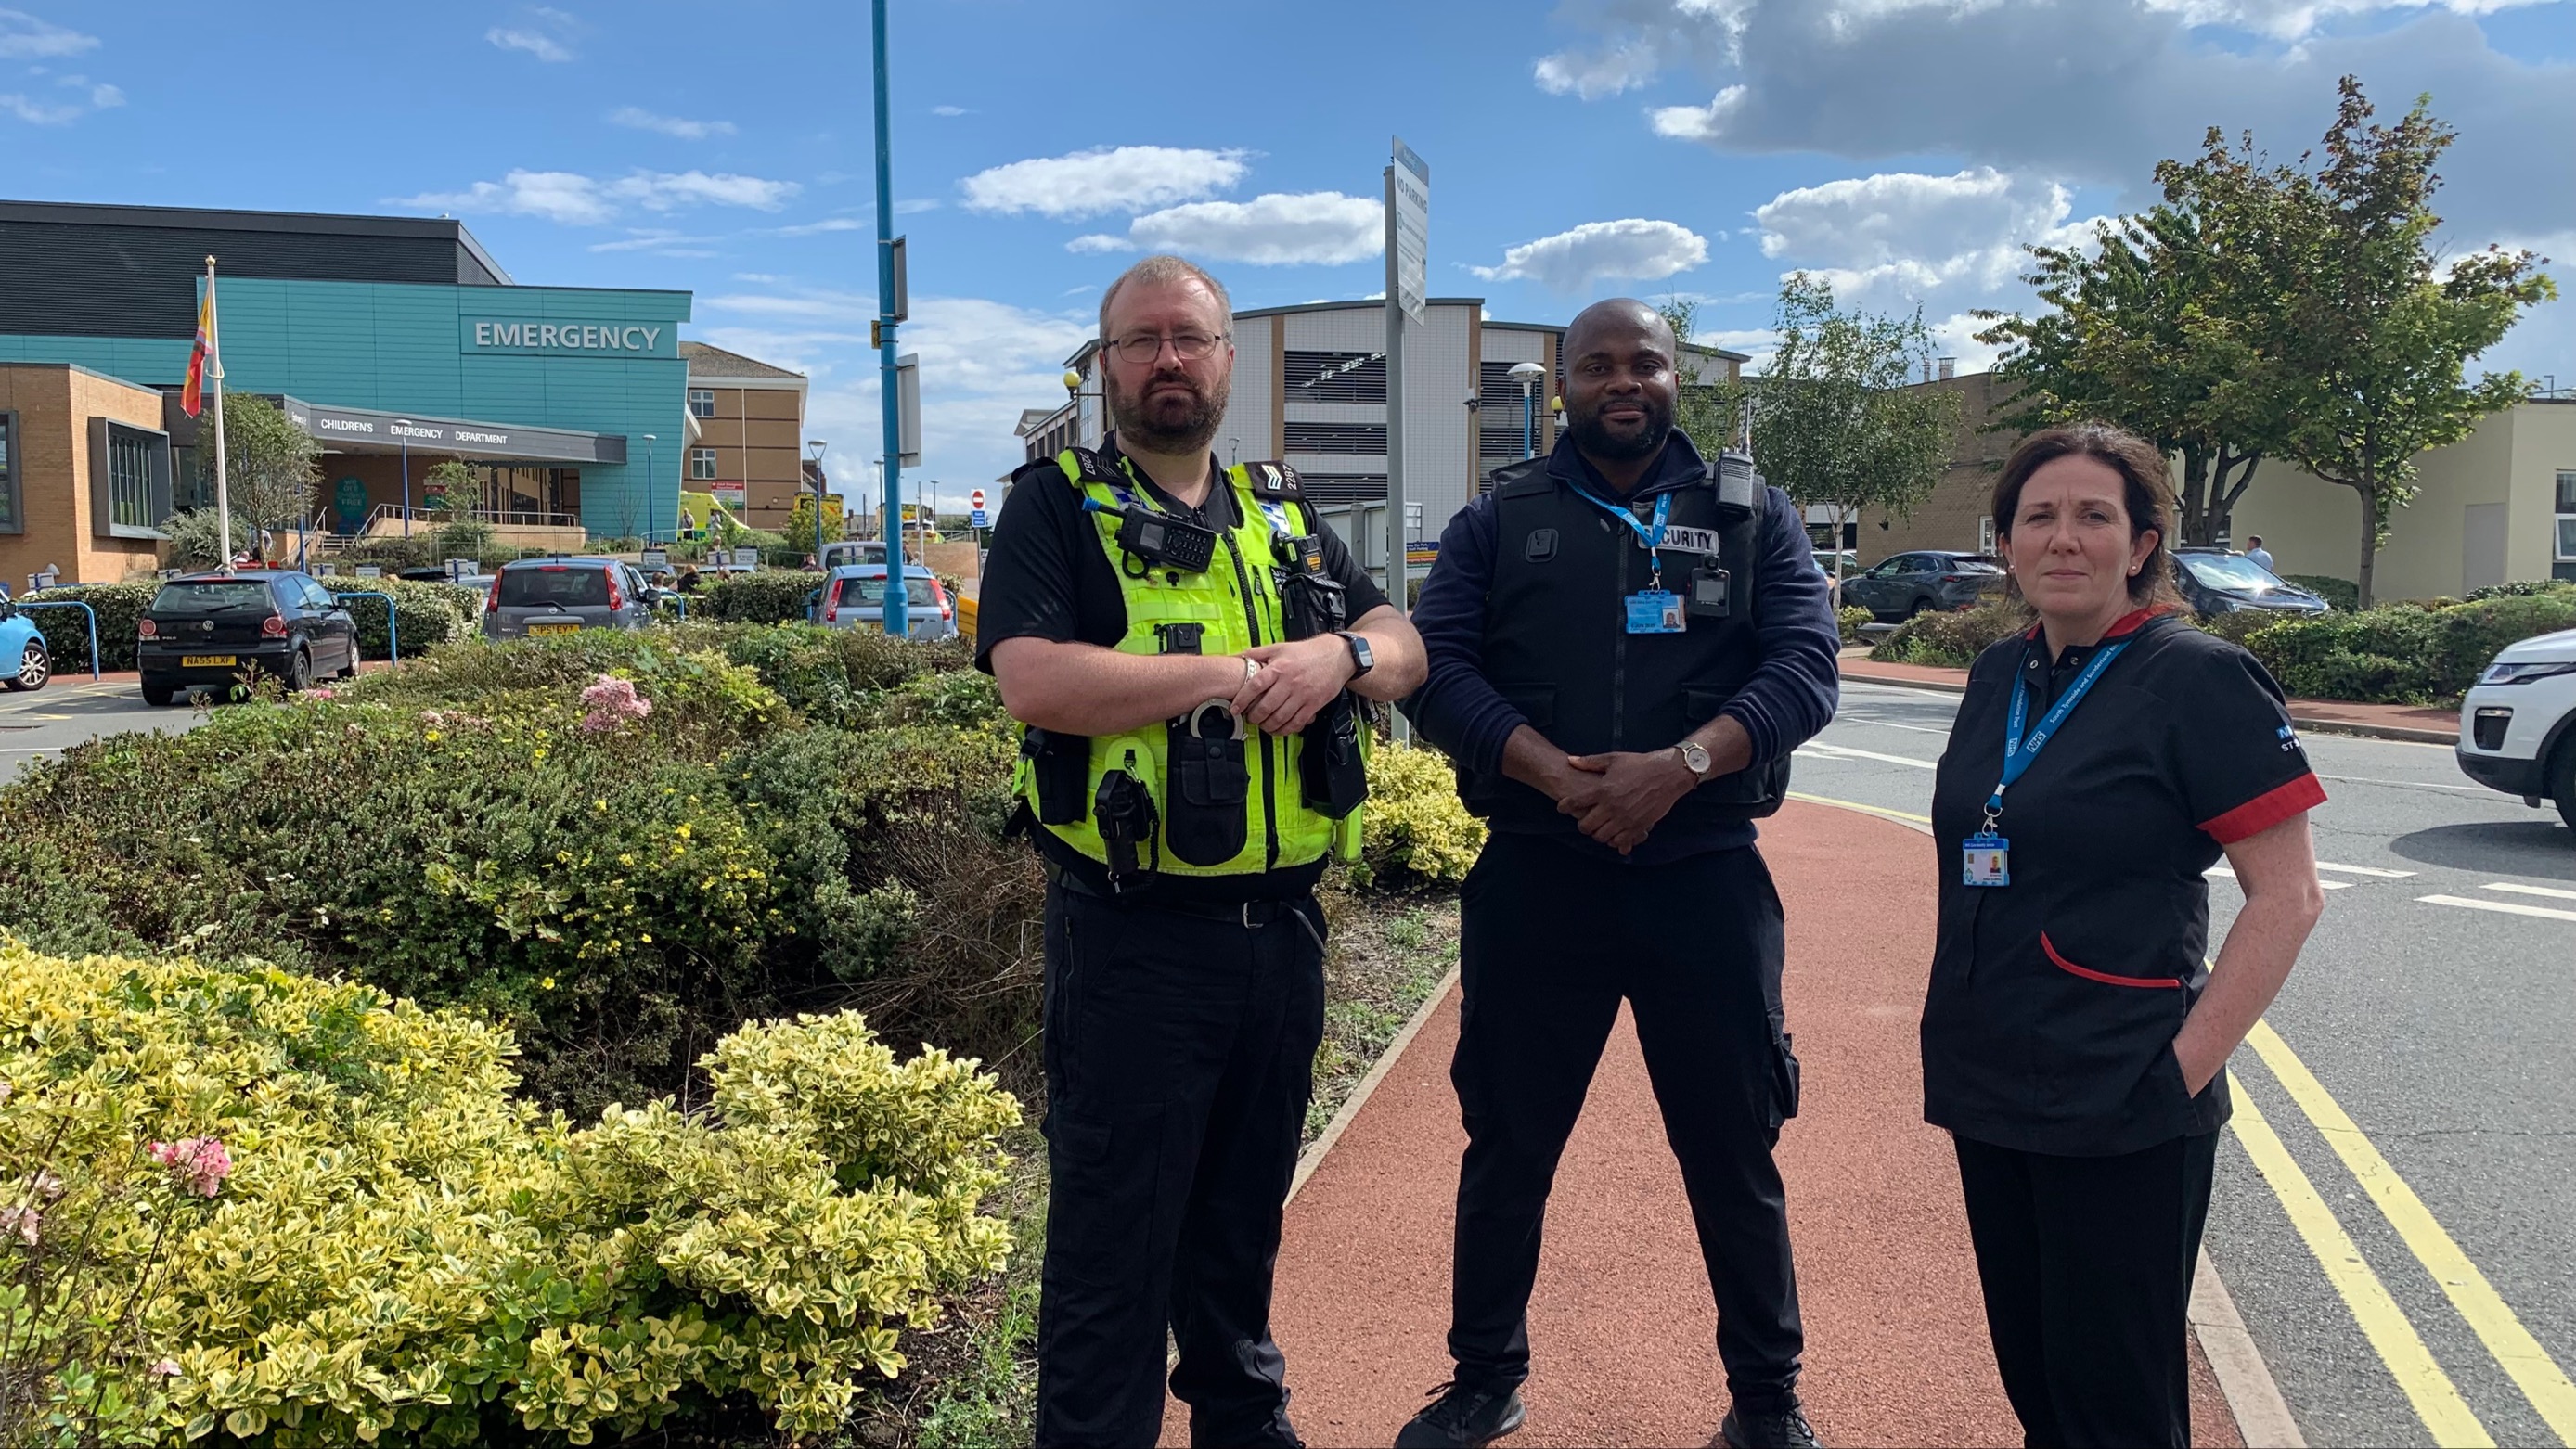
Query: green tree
(1833, 419)
(2151, 330)
(2379, 329)
(800, 522)
(271, 465)
(448, 488)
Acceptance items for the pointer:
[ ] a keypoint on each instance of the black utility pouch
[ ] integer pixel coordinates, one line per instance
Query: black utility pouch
(1312, 598)
(1205, 822)
(1333, 779)
(1058, 763)
(1126, 811)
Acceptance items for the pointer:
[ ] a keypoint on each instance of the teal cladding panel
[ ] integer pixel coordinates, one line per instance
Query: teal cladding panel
(411, 348)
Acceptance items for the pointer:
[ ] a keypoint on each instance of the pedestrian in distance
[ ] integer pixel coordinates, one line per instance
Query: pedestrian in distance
(2255, 551)
(1626, 641)
(1186, 646)
(2075, 1038)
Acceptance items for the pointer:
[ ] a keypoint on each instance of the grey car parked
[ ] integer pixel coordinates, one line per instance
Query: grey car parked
(541, 596)
(1908, 584)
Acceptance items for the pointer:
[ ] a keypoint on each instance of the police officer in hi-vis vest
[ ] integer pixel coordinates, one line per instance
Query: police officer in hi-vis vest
(1182, 644)
(1626, 641)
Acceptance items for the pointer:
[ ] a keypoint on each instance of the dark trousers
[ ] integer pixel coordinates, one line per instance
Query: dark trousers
(2086, 1264)
(1551, 941)
(1178, 1058)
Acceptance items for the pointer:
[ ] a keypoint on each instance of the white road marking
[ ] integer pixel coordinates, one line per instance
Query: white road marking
(1822, 751)
(2504, 907)
(2406, 784)
(2365, 870)
(2529, 890)
(2332, 885)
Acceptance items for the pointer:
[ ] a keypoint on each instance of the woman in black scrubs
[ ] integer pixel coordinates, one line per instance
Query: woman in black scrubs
(2073, 1036)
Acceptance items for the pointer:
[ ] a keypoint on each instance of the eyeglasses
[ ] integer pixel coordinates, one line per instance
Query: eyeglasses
(1144, 347)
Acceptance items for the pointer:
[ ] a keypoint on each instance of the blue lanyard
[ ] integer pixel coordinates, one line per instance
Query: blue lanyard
(2019, 752)
(1652, 537)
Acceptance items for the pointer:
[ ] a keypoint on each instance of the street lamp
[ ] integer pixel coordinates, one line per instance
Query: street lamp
(814, 455)
(648, 468)
(1528, 374)
(402, 430)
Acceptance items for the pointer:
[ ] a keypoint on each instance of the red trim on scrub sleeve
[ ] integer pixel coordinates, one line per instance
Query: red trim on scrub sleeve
(2266, 810)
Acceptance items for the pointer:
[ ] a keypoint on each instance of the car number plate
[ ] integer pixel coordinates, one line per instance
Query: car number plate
(204, 661)
(554, 628)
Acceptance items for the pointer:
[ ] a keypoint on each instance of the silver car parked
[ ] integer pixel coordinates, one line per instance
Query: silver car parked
(541, 596)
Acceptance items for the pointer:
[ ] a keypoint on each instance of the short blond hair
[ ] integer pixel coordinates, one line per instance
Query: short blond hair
(1163, 270)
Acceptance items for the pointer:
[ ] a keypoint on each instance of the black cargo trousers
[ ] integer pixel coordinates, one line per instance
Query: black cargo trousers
(1180, 1046)
(1552, 938)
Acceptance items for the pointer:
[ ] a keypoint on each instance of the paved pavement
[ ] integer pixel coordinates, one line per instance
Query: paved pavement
(2396, 1213)
(72, 709)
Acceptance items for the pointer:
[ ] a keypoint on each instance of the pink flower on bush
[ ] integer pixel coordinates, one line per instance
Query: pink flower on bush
(26, 1222)
(201, 1162)
(167, 1368)
(324, 692)
(612, 702)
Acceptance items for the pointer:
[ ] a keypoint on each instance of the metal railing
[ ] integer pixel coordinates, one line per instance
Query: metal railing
(93, 625)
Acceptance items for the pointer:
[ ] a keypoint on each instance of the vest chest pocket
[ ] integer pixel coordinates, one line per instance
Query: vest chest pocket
(1204, 821)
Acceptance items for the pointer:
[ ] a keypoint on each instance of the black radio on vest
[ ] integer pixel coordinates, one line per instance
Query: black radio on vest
(1558, 649)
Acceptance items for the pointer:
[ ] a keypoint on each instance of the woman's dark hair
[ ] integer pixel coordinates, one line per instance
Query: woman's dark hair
(2146, 492)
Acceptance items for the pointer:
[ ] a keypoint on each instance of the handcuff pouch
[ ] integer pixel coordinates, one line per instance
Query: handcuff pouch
(1209, 784)
(1058, 765)
(1333, 778)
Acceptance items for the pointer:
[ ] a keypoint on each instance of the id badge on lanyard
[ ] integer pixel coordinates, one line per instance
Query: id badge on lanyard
(1653, 609)
(1985, 858)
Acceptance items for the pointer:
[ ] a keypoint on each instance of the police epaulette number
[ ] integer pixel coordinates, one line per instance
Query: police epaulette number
(1275, 481)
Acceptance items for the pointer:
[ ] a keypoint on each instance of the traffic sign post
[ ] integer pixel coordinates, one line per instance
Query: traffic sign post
(976, 517)
(1408, 229)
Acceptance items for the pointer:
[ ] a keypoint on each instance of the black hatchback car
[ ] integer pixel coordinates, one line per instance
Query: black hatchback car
(2216, 581)
(213, 630)
(1908, 584)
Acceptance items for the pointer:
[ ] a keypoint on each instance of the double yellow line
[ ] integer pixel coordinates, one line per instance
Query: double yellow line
(2436, 1399)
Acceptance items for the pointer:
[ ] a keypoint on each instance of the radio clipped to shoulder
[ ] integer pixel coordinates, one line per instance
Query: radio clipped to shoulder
(1158, 540)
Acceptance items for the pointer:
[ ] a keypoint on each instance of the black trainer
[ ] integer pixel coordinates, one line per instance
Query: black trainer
(1462, 1416)
(1785, 1427)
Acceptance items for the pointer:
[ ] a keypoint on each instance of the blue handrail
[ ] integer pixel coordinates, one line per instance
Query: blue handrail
(93, 625)
(393, 626)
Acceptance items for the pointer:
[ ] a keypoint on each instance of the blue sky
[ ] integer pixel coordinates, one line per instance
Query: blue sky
(1908, 148)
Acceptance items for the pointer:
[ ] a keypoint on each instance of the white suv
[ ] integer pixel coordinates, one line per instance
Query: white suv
(2518, 724)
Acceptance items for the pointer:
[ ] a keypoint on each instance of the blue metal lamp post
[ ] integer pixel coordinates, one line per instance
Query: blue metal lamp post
(648, 472)
(404, 424)
(896, 622)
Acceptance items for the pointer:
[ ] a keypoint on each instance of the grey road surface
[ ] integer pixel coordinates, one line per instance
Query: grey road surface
(2431, 1027)
(71, 709)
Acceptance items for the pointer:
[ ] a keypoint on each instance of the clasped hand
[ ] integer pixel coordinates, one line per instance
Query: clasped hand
(1618, 798)
(1296, 681)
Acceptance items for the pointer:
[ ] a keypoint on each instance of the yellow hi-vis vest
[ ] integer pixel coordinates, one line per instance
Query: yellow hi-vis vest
(1235, 602)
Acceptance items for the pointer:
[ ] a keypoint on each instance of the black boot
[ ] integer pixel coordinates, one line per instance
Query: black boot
(1462, 1416)
(1784, 1427)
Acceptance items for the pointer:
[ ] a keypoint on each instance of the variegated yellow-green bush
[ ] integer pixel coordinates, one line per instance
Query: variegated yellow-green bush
(403, 1253)
(1414, 821)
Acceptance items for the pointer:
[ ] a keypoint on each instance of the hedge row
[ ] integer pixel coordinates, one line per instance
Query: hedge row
(429, 615)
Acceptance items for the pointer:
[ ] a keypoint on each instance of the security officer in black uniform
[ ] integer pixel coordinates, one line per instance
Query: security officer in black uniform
(1182, 644)
(1625, 644)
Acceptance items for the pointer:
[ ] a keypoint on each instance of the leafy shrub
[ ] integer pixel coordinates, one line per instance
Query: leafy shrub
(1849, 619)
(2522, 588)
(771, 596)
(1953, 638)
(403, 1250)
(2405, 653)
(119, 608)
(2338, 593)
(192, 538)
(2238, 625)
(1414, 827)
(429, 614)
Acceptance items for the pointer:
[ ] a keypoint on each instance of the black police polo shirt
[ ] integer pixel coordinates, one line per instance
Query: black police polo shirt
(2055, 1000)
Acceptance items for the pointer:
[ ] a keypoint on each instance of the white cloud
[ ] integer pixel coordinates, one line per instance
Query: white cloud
(1899, 237)
(37, 113)
(1571, 261)
(1603, 73)
(542, 46)
(2097, 92)
(103, 97)
(1321, 228)
(1089, 183)
(577, 200)
(25, 37)
(818, 228)
(638, 118)
(1099, 242)
(913, 206)
(661, 241)
(950, 111)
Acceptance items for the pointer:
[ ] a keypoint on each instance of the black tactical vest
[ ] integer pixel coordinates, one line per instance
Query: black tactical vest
(1557, 644)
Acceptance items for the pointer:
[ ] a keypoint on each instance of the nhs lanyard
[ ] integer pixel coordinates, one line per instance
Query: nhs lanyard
(1653, 537)
(2019, 752)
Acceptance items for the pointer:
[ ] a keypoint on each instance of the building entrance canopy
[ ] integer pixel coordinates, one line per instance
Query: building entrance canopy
(360, 430)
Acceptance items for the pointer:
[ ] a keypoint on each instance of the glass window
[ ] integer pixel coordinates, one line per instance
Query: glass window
(2566, 514)
(871, 592)
(554, 584)
(702, 463)
(2229, 571)
(129, 479)
(12, 517)
(702, 401)
(211, 596)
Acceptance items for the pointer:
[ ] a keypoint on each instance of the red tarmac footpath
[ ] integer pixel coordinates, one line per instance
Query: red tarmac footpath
(1622, 1328)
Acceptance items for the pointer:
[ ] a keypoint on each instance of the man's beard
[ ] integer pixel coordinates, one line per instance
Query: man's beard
(1166, 423)
(1592, 437)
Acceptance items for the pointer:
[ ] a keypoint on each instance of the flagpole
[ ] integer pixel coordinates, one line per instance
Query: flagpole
(223, 489)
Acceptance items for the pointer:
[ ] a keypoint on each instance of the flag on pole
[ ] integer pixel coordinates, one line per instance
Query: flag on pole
(192, 397)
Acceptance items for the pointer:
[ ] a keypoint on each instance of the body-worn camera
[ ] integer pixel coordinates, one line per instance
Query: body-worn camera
(1159, 540)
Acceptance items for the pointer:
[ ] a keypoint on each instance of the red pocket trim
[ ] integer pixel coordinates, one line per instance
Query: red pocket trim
(2166, 983)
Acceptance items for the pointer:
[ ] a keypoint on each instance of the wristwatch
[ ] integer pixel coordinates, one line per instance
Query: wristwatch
(1362, 661)
(1695, 759)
